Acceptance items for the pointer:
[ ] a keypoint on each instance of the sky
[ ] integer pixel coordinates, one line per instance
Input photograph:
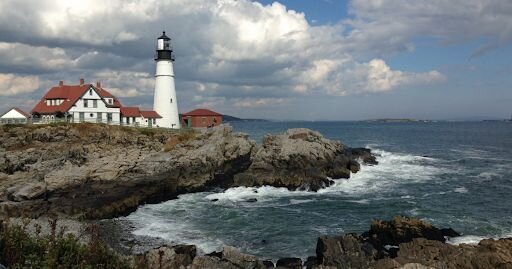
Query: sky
(283, 60)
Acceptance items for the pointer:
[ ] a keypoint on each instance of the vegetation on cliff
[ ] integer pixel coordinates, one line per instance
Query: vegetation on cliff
(18, 249)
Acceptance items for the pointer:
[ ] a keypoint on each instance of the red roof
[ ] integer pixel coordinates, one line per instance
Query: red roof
(202, 112)
(150, 114)
(136, 112)
(105, 94)
(127, 111)
(70, 94)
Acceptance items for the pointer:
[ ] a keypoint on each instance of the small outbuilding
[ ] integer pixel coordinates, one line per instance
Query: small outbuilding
(14, 116)
(201, 118)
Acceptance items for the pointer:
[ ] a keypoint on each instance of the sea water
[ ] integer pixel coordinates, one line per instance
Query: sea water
(452, 174)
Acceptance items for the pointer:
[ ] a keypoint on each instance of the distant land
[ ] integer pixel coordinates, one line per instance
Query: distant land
(397, 120)
(228, 118)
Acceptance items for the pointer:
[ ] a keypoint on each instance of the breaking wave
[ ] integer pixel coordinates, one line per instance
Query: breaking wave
(182, 221)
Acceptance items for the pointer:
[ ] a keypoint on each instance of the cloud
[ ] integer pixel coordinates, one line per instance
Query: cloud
(380, 78)
(237, 53)
(389, 26)
(13, 85)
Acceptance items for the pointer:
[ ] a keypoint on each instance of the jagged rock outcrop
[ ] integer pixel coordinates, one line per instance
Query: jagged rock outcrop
(423, 253)
(166, 257)
(184, 256)
(298, 159)
(417, 244)
(99, 171)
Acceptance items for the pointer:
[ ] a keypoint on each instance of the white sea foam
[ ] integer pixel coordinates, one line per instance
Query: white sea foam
(174, 221)
(474, 239)
(461, 190)
(262, 194)
(301, 201)
(393, 169)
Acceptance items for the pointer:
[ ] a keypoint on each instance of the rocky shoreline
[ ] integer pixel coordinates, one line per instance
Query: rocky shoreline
(85, 172)
(90, 171)
(401, 242)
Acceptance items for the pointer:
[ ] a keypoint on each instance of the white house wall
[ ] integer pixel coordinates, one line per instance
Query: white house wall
(13, 114)
(91, 112)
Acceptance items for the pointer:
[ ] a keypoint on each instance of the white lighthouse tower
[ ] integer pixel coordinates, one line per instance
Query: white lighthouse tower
(165, 102)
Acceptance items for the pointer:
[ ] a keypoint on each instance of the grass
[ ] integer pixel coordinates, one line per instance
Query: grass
(20, 250)
(180, 138)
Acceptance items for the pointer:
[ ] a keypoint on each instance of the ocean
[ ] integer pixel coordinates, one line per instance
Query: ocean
(452, 174)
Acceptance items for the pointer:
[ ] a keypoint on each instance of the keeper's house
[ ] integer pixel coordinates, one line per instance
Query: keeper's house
(14, 116)
(201, 118)
(88, 103)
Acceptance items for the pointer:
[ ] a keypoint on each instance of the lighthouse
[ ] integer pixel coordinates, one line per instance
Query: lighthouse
(165, 103)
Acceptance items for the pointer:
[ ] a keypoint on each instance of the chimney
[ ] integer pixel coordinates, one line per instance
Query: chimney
(82, 81)
(61, 83)
(98, 85)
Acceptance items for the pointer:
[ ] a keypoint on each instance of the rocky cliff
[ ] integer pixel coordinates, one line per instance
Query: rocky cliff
(97, 171)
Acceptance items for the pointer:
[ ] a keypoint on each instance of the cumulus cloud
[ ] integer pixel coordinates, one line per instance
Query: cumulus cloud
(389, 26)
(13, 85)
(242, 51)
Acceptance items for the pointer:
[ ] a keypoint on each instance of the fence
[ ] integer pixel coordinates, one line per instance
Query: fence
(71, 121)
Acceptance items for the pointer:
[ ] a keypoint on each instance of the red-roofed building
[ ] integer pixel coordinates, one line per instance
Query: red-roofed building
(201, 118)
(135, 116)
(88, 103)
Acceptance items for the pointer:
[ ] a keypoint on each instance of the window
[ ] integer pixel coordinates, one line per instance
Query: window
(90, 92)
(127, 120)
(154, 121)
(171, 100)
(86, 103)
(94, 103)
(99, 116)
(109, 117)
(109, 100)
(91, 115)
(81, 116)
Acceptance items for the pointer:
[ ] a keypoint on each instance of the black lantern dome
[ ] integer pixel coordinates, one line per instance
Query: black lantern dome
(164, 48)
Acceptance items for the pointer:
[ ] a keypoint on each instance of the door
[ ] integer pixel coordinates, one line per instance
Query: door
(150, 123)
(81, 116)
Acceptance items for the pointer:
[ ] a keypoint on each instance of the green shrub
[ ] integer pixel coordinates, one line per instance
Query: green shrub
(20, 250)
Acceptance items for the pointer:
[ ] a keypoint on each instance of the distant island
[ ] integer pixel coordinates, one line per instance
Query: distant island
(397, 120)
(228, 118)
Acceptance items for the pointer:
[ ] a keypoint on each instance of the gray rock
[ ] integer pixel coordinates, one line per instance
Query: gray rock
(348, 251)
(98, 171)
(234, 256)
(297, 159)
(289, 263)
(167, 257)
(28, 192)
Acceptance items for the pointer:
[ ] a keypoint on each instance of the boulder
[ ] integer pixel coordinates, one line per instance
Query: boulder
(207, 262)
(348, 251)
(167, 257)
(235, 257)
(403, 229)
(298, 159)
(27, 192)
(363, 154)
(289, 263)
